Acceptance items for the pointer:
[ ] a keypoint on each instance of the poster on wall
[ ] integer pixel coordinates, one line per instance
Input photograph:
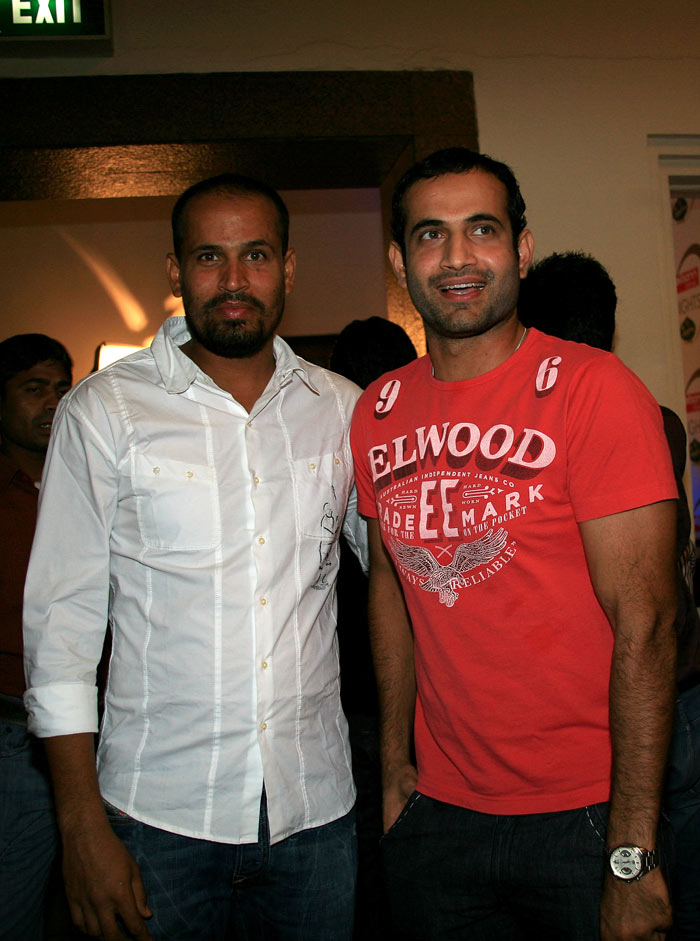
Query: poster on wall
(686, 240)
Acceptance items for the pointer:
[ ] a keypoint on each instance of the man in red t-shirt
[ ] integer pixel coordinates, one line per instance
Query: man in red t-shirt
(522, 521)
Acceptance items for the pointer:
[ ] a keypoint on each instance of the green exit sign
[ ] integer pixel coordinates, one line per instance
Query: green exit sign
(36, 26)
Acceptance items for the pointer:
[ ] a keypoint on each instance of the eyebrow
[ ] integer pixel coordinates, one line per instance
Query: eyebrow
(40, 381)
(477, 217)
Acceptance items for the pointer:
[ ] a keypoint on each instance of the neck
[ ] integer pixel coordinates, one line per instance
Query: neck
(29, 462)
(245, 378)
(455, 359)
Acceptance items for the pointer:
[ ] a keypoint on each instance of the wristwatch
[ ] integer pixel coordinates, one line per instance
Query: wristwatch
(629, 862)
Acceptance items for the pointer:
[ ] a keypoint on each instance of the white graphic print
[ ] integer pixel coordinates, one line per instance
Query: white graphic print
(445, 579)
(547, 374)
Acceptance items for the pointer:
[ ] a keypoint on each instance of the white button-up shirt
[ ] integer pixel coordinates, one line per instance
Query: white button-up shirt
(207, 537)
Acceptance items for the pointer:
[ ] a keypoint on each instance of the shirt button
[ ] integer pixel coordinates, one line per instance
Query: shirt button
(263, 726)
(250, 424)
(190, 473)
(312, 466)
(261, 540)
(337, 461)
(263, 601)
(264, 664)
(156, 470)
(256, 480)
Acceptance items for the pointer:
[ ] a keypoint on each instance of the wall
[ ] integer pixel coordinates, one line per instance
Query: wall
(92, 271)
(566, 93)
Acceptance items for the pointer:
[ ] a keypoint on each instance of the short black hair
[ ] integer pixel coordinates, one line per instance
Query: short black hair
(456, 160)
(570, 295)
(24, 350)
(365, 349)
(233, 184)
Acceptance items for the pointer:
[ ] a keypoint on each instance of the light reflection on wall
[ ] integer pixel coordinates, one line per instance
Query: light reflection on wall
(88, 271)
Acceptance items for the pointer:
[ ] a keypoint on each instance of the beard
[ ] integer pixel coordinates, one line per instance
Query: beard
(453, 320)
(234, 339)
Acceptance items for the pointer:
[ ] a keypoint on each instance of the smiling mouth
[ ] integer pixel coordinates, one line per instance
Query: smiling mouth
(463, 287)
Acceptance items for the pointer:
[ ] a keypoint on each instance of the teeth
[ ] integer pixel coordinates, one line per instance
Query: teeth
(462, 287)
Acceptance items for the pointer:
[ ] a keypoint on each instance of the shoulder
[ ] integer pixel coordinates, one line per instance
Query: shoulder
(390, 384)
(581, 367)
(103, 392)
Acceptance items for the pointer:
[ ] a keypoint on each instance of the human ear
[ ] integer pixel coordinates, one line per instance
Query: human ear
(398, 263)
(526, 249)
(172, 271)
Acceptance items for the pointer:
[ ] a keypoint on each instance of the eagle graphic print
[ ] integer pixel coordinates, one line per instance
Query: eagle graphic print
(443, 509)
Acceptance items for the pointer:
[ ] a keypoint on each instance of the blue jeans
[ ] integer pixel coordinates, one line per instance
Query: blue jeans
(457, 874)
(301, 889)
(28, 833)
(682, 805)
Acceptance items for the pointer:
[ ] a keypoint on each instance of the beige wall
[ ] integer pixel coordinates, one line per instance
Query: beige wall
(93, 271)
(568, 94)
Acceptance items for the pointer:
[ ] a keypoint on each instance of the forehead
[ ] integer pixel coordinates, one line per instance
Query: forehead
(230, 217)
(457, 196)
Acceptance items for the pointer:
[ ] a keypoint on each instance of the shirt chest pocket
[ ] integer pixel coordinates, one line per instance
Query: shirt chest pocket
(322, 484)
(176, 504)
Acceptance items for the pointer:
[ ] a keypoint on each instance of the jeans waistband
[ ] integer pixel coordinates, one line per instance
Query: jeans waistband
(12, 710)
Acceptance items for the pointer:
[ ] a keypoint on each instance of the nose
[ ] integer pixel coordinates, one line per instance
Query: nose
(53, 397)
(233, 276)
(459, 252)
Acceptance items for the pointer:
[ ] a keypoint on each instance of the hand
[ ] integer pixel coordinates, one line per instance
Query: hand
(103, 881)
(635, 911)
(398, 785)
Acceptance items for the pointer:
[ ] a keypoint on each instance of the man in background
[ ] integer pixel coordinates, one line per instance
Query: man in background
(35, 372)
(194, 496)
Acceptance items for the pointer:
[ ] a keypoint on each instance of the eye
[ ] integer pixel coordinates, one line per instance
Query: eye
(485, 228)
(429, 234)
(257, 255)
(207, 258)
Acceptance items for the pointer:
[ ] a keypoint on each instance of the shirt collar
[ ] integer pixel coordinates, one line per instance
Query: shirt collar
(178, 371)
(9, 474)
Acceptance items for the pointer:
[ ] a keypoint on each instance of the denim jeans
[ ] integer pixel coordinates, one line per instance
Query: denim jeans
(301, 889)
(457, 874)
(28, 833)
(682, 805)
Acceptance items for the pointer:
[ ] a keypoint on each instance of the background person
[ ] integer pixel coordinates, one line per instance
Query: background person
(35, 372)
(364, 350)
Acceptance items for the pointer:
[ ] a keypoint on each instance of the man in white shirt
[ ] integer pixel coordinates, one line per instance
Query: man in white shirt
(188, 499)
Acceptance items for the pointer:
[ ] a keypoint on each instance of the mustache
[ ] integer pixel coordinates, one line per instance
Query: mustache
(226, 297)
(466, 274)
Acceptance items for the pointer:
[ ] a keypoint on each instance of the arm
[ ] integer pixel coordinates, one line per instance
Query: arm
(631, 562)
(392, 650)
(65, 614)
(102, 879)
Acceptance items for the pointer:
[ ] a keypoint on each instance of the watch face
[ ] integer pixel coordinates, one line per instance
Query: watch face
(625, 862)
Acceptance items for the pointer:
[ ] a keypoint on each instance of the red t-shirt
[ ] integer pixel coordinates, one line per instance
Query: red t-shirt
(479, 487)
